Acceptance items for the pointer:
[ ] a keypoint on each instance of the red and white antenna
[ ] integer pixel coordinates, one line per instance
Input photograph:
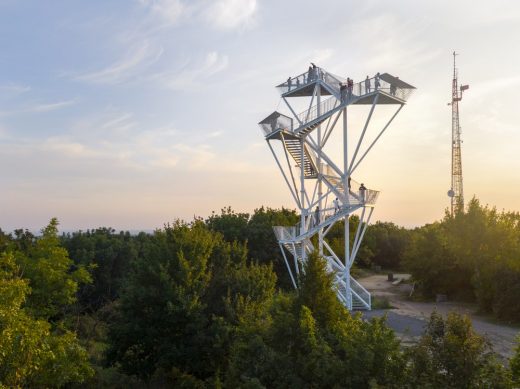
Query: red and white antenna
(456, 193)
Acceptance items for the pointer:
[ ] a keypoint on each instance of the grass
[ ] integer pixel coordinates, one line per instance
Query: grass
(379, 302)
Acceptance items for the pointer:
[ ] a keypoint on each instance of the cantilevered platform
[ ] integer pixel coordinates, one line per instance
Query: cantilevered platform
(387, 89)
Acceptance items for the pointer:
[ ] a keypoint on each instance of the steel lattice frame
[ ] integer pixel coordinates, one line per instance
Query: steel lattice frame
(456, 193)
(317, 179)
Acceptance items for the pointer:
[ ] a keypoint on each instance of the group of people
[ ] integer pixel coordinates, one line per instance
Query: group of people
(313, 73)
(377, 83)
(345, 89)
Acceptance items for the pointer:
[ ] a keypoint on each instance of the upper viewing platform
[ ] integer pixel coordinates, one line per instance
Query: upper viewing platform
(380, 89)
(392, 90)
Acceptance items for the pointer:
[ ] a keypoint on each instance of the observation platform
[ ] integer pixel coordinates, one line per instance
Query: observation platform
(397, 91)
(381, 89)
(316, 221)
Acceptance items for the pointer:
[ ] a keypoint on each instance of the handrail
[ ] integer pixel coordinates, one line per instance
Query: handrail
(356, 289)
(341, 95)
(301, 80)
(356, 197)
(361, 291)
(318, 110)
(315, 220)
(276, 122)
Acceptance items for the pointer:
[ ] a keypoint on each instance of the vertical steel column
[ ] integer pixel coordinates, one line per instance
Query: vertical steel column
(320, 169)
(302, 183)
(346, 204)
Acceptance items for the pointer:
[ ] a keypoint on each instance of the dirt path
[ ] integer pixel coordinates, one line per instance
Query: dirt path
(409, 318)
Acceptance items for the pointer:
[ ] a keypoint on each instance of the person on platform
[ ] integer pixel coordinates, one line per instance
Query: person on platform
(350, 87)
(367, 85)
(343, 92)
(362, 192)
(336, 206)
(377, 83)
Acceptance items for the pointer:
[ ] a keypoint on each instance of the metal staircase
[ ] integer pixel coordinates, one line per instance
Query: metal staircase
(294, 147)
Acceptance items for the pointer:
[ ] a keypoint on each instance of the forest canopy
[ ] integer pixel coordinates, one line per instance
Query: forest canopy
(209, 304)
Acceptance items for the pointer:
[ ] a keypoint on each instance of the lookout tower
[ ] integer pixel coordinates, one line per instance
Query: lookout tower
(323, 189)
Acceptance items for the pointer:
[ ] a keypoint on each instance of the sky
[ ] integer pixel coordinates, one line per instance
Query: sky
(134, 113)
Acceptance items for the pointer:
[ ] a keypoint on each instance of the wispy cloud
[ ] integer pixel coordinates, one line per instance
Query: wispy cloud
(483, 88)
(137, 58)
(39, 108)
(221, 14)
(68, 148)
(110, 124)
(169, 11)
(193, 75)
(230, 14)
(51, 106)
(120, 123)
(10, 90)
(397, 43)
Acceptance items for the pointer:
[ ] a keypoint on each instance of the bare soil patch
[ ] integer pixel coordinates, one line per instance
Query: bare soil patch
(408, 318)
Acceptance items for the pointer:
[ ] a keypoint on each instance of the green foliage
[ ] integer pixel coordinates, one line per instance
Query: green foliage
(385, 244)
(261, 241)
(514, 364)
(256, 231)
(433, 264)
(108, 255)
(310, 340)
(31, 354)
(181, 301)
(451, 355)
(472, 255)
(230, 224)
(316, 292)
(52, 278)
(194, 305)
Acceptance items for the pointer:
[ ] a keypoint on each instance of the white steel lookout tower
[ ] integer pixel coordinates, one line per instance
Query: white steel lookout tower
(304, 146)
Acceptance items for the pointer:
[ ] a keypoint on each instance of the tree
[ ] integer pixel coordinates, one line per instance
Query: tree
(108, 255)
(181, 302)
(387, 243)
(53, 279)
(451, 355)
(31, 354)
(514, 364)
(309, 339)
(262, 244)
(230, 224)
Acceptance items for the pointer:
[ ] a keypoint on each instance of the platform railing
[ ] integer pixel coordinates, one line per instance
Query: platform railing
(284, 233)
(346, 94)
(301, 80)
(361, 292)
(342, 95)
(281, 122)
(357, 196)
(313, 221)
(318, 110)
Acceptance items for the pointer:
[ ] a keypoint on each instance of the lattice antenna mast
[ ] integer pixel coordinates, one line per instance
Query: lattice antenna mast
(456, 193)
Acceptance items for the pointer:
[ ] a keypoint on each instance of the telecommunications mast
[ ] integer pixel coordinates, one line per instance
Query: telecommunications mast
(456, 193)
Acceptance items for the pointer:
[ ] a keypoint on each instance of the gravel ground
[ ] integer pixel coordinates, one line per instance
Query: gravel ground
(408, 319)
(402, 324)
